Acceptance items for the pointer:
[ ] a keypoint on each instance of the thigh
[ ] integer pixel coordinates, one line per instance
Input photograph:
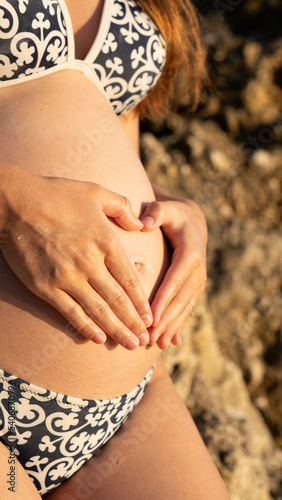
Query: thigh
(158, 453)
(15, 482)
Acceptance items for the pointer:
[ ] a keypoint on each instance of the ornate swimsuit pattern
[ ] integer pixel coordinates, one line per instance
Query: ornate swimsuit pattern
(53, 435)
(125, 60)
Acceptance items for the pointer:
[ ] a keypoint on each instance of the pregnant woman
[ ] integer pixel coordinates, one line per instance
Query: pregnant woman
(80, 344)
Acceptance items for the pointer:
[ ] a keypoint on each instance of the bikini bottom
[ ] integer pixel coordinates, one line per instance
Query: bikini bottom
(53, 435)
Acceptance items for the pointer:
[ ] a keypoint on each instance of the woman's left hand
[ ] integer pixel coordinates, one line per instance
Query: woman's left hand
(184, 225)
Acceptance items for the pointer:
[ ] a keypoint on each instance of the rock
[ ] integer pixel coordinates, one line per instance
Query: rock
(263, 160)
(227, 157)
(260, 101)
(252, 52)
(219, 160)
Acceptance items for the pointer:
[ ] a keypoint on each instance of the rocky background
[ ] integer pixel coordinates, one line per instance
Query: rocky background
(228, 158)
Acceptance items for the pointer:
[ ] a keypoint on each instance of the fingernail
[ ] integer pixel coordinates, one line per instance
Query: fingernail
(166, 344)
(143, 339)
(147, 320)
(131, 343)
(99, 338)
(148, 220)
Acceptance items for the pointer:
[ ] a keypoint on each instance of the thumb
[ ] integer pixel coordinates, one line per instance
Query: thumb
(153, 216)
(119, 208)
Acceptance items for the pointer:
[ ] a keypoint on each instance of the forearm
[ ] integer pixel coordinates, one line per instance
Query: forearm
(12, 182)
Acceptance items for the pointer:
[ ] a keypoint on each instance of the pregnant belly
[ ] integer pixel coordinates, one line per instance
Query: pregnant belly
(78, 136)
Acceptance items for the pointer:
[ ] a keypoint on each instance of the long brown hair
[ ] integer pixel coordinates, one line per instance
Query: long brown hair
(183, 73)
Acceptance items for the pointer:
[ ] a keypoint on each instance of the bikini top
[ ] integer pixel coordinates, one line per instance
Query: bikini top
(125, 60)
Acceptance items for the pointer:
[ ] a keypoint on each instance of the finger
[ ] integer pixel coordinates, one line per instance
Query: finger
(176, 339)
(75, 315)
(153, 216)
(179, 307)
(174, 279)
(119, 208)
(100, 312)
(122, 270)
(173, 334)
(170, 331)
(118, 301)
(175, 315)
(164, 340)
(171, 322)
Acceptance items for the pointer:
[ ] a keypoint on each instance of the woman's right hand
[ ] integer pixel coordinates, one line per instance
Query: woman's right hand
(58, 240)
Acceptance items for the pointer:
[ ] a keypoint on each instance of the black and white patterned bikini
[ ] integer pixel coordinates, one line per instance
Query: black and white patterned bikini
(53, 435)
(50, 434)
(125, 60)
